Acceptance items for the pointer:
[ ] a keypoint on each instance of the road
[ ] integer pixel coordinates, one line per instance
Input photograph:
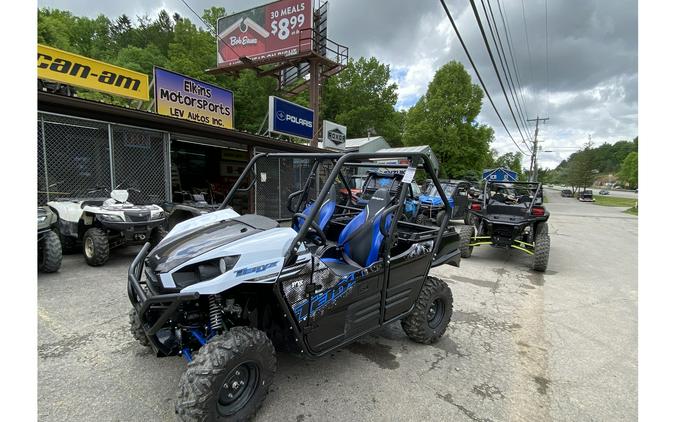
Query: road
(617, 193)
(522, 346)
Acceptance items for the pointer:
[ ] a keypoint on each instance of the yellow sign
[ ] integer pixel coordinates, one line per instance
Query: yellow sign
(72, 69)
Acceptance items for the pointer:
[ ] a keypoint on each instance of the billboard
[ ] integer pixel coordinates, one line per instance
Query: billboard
(72, 69)
(288, 118)
(334, 135)
(263, 32)
(185, 98)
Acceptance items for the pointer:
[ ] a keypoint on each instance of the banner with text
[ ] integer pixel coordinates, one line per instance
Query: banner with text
(72, 69)
(288, 118)
(266, 31)
(185, 98)
(334, 135)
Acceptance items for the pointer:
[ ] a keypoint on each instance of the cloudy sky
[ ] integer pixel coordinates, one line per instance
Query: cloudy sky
(592, 85)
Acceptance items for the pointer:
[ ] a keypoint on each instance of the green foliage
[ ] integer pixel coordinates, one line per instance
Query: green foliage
(445, 118)
(629, 169)
(362, 98)
(581, 168)
(511, 160)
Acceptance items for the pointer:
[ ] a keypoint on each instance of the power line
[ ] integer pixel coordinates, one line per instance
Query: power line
(548, 91)
(494, 65)
(475, 69)
(527, 39)
(503, 60)
(213, 30)
(505, 23)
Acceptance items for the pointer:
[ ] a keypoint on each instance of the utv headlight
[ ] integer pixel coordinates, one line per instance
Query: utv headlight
(156, 214)
(227, 263)
(111, 218)
(41, 218)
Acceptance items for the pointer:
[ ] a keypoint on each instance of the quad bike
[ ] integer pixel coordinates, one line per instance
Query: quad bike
(433, 210)
(226, 291)
(49, 245)
(512, 215)
(104, 223)
(187, 205)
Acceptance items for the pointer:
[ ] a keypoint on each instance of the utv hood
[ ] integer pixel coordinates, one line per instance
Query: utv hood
(178, 248)
(434, 201)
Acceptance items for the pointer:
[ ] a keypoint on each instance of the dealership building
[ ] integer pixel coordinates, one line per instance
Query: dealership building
(85, 144)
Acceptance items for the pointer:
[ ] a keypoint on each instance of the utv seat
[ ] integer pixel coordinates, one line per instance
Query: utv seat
(325, 212)
(360, 241)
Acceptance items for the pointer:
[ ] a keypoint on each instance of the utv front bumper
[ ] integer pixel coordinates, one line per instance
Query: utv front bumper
(153, 309)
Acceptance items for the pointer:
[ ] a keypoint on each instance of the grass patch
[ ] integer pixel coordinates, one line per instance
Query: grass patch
(614, 201)
(632, 211)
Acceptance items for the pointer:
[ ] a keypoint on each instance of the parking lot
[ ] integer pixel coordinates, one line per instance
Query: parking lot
(527, 346)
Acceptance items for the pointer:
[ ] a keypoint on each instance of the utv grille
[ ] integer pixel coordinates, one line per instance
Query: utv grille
(153, 280)
(137, 216)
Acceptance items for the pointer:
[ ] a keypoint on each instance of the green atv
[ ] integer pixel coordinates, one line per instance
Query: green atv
(49, 244)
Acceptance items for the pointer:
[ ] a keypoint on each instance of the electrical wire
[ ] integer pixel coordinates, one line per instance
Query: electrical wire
(548, 91)
(480, 79)
(503, 61)
(494, 65)
(505, 23)
(527, 39)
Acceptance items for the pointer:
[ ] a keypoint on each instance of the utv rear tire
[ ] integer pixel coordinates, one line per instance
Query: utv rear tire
(157, 235)
(243, 353)
(136, 329)
(50, 253)
(465, 235)
(423, 220)
(95, 247)
(542, 246)
(431, 314)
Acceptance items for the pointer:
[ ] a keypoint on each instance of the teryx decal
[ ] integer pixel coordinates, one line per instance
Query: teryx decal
(253, 270)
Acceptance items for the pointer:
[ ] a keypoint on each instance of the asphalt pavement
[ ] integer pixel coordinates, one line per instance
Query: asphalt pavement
(522, 346)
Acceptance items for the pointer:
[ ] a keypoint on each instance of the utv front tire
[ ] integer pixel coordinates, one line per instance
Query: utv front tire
(431, 314)
(68, 244)
(465, 235)
(542, 246)
(50, 253)
(96, 247)
(229, 377)
(423, 220)
(157, 235)
(136, 329)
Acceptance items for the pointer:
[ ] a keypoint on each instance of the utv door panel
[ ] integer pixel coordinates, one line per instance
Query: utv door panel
(405, 281)
(354, 312)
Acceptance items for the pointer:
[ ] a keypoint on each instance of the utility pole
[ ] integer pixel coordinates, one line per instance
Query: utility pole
(533, 158)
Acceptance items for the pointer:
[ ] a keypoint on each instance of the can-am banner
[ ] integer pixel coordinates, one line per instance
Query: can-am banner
(72, 69)
(185, 98)
(266, 31)
(288, 118)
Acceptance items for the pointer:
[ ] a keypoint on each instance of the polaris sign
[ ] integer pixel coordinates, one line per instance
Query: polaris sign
(334, 135)
(288, 118)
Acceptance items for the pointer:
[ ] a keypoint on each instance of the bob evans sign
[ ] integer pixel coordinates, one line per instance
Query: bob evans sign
(288, 118)
(190, 99)
(72, 69)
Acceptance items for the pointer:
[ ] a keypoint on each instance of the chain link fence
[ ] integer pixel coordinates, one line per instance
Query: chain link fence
(76, 156)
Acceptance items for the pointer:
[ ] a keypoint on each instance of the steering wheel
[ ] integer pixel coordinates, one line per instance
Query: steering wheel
(314, 229)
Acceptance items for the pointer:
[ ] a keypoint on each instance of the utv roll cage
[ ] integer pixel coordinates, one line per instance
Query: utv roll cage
(531, 186)
(416, 160)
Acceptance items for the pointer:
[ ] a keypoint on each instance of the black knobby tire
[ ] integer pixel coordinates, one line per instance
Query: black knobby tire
(203, 389)
(423, 220)
(469, 219)
(95, 247)
(136, 330)
(69, 244)
(542, 246)
(465, 235)
(439, 218)
(157, 235)
(419, 325)
(50, 253)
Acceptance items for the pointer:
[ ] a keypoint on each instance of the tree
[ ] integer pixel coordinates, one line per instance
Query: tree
(511, 160)
(581, 168)
(629, 170)
(362, 98)
(445, 118)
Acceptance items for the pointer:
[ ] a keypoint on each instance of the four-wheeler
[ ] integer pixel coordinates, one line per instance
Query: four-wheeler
(187, 205)
(49, 244)
(225, 291)
(104, 223)
(566, 193)
(512, 215)
(585, 196)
